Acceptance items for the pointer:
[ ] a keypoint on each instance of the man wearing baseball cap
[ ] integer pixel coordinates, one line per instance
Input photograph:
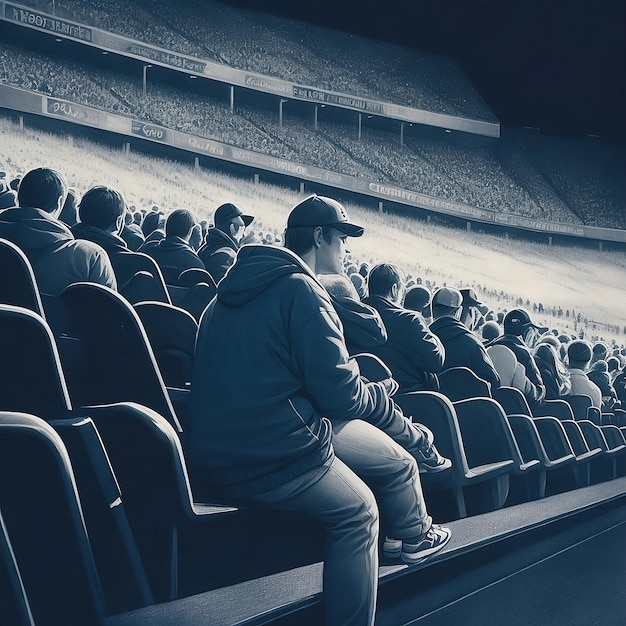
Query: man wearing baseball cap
(222, 242)
(463, 348)
(281, 416)
(519, 335)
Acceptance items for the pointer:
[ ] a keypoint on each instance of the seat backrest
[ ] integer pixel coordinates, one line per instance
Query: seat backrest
(15, 607)
(580, 404)
(127, 265)
(43, 519)
(194, 276)
(512, 400)
(193, 299)
(555, 408)
(461, 383)
(172, 334)
(436, 412)
(18, 285)
(32, 379)
(147, 457)
(115, 552)
(118, 356)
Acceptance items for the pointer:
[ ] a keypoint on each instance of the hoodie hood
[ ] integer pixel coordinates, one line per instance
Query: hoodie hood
(362, 326)
(108, 241)
(33, 230)
(216, 238)
(255, 270)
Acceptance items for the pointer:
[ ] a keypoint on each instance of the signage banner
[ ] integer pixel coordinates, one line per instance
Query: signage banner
(48, 23)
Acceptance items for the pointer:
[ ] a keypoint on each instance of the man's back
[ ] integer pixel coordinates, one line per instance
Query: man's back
(174, 256)
(58, 259)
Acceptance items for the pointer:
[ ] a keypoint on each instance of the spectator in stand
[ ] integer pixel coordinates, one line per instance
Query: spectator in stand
(360, 285)
(307, 425)
(412, 352)
(462, 347)
(224, 239)
(131, 232)
(619, 384)
(69, 212)
(195, 239)
(519, 335)
(599, 375)
(418, 299)
(579, 354)
(173, 254)
(554, 374)
(8, 197)
(363, 329)
(613, 367)
(472, 316)
(490, 330)
(152, 226)
(58, 259)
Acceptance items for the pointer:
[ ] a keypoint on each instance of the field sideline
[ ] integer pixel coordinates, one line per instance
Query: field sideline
(587, 281)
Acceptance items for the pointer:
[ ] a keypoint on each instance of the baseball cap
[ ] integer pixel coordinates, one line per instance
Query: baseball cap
(322, 211)
(470, 298)
(446, 296)
(517, 320)
(229, 211)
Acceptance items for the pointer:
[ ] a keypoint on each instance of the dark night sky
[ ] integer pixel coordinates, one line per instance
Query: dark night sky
(557, 65)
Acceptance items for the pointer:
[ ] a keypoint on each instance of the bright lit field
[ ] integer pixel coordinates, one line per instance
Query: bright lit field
(587, 281)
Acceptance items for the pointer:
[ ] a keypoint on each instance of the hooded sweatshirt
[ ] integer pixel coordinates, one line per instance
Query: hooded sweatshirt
(58, 259)
(463, 349)
(271, 373)
(217, 252)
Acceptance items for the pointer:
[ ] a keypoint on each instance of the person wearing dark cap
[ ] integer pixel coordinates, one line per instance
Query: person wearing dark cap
(472, 316)
(307, 425)
(462, 347)
(490, 330)
(519, 335)
(418, 299)
(412, 352)
(224, 239)
(579, 354)
(173, 253)
(57, 258)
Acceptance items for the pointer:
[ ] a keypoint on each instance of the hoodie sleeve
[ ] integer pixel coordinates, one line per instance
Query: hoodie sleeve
(99, 265)
(332, 380)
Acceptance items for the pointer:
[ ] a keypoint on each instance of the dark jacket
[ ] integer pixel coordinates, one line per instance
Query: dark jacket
(133, 236)
(603, 381)
(109, 242)
(363, 328)
(173, 255)
(464, 349)
(411, 352)
(217, 253)
(271, 365)
(554, 391)
(619, 384)
(536, 389)
(57, 258)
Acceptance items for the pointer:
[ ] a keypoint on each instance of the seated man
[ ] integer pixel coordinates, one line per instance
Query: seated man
(173, 254)
(307, 429)
(463, 348)
(57, 258)
(411, 351)
(362, 327)
(579, 354)
(519, 334)
(223, 241)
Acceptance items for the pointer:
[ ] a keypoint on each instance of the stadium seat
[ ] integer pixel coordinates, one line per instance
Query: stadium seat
(475, 485)
(193, 299)
(32, 379)
(172, 335)
(43, 519)
(188, 547)
(120, 569)
(461, 383)
(15, 607)
(139, 278)
(18, 285)
(194, 276)
(119, 364)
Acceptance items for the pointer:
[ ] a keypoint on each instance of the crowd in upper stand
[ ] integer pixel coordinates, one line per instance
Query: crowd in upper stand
(305, 54)
(515, 174)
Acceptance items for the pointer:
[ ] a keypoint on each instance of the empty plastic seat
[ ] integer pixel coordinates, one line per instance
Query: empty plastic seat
(172, 335)
(139, 278)
(475, 485)
(193, 299)
(461, 383)
(18, 285)
(194, 276)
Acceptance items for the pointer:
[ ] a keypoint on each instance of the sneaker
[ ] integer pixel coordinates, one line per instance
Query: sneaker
(429, 461)
(435, 539)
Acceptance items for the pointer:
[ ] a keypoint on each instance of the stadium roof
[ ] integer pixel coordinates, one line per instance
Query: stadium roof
(556, 65)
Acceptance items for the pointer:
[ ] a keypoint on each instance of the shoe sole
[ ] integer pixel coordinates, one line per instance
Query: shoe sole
(396, 551)
(411, 559)
(427, 469)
